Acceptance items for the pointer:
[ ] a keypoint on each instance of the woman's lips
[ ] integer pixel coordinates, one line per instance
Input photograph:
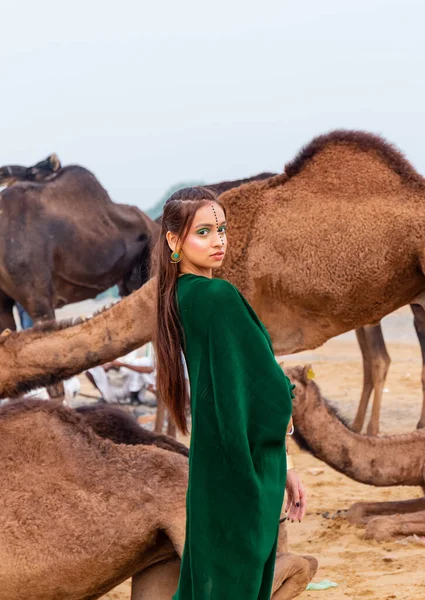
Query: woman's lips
(217, 255)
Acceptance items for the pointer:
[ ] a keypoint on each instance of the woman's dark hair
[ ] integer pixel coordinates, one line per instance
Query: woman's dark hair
(179, 212)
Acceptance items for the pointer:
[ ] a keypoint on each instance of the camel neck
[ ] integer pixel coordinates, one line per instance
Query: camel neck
(381, 461)
(86, 344)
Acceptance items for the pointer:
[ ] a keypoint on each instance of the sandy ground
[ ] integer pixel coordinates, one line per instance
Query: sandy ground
(361, 568)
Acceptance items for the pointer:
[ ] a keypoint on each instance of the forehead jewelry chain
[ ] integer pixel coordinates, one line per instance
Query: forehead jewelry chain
(216, 222)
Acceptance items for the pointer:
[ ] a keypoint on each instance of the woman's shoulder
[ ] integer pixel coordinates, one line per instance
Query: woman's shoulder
(216, 290)
(211, 292)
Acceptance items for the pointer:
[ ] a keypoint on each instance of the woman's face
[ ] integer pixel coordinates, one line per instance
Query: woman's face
(205, 245)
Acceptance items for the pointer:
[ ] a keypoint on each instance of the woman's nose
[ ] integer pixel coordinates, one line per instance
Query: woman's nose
(217, 239)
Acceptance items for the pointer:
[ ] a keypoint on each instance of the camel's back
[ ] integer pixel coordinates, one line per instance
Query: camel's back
(338, 236)
(69, 225)
(73, 196)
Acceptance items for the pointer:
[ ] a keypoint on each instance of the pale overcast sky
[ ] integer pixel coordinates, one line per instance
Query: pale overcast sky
(146, 94)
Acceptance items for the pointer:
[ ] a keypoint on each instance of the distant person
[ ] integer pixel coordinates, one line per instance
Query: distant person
(126, 379)
(71, 390)
(25, 319)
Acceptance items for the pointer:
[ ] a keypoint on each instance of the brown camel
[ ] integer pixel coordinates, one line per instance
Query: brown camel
(63, 240)
(376, 360)
(159, 582)
(379, 461)
(333, 244)
(81, 513)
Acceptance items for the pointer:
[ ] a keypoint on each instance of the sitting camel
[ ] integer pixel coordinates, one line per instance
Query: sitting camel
(309, 278)
(379, 461)
(160, 581)
(80, 514)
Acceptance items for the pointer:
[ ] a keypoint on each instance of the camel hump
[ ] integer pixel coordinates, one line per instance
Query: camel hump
(338, 144)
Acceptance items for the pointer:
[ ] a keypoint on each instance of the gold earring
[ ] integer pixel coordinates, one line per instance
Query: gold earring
(176, 257)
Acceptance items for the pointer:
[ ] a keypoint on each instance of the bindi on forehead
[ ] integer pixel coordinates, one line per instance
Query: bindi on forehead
(221, 234)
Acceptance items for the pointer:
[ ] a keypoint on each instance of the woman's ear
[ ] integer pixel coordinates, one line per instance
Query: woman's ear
(171, 240)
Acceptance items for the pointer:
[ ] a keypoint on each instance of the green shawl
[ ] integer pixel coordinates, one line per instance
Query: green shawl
(241, 406)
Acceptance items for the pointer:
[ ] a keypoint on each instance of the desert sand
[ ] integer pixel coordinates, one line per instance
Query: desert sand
(362, 569)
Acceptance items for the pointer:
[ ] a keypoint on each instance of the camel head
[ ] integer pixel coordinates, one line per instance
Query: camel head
(302, 378)
(11, 174)
(308, 401)
(44, 168)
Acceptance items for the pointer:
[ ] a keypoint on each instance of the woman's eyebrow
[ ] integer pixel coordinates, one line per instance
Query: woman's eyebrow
(208, 224)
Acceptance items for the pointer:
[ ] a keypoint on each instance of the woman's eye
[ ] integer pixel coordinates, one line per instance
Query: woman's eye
(202, 231)
(222, 229)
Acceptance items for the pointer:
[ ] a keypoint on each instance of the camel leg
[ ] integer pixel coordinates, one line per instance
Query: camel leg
(171, 427)
(367, 382)
(380, 361)
(158, 582)
(384, 529)
(419, 323)
(160, 415)
(380, 364)
(6, 313)
(282, 540)
(362, 512)
(292, 574)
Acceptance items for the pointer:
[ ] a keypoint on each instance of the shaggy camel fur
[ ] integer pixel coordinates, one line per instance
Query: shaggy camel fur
(309, 278)
(80, 514)
(121, 427)
(379, 461)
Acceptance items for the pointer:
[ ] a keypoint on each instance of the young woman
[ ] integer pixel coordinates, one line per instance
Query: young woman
(240, 404)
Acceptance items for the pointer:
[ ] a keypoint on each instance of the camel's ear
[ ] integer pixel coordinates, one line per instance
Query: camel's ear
(5, 332)
(308, 374)
(55, 162)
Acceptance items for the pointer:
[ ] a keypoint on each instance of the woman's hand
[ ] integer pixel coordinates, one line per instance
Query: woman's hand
(296, 499)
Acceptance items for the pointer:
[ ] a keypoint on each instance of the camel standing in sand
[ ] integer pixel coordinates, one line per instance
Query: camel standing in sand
(63, 240)
(334, 243)
(379, 461)
(375, 357)
(80, 514)
(376, 362)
